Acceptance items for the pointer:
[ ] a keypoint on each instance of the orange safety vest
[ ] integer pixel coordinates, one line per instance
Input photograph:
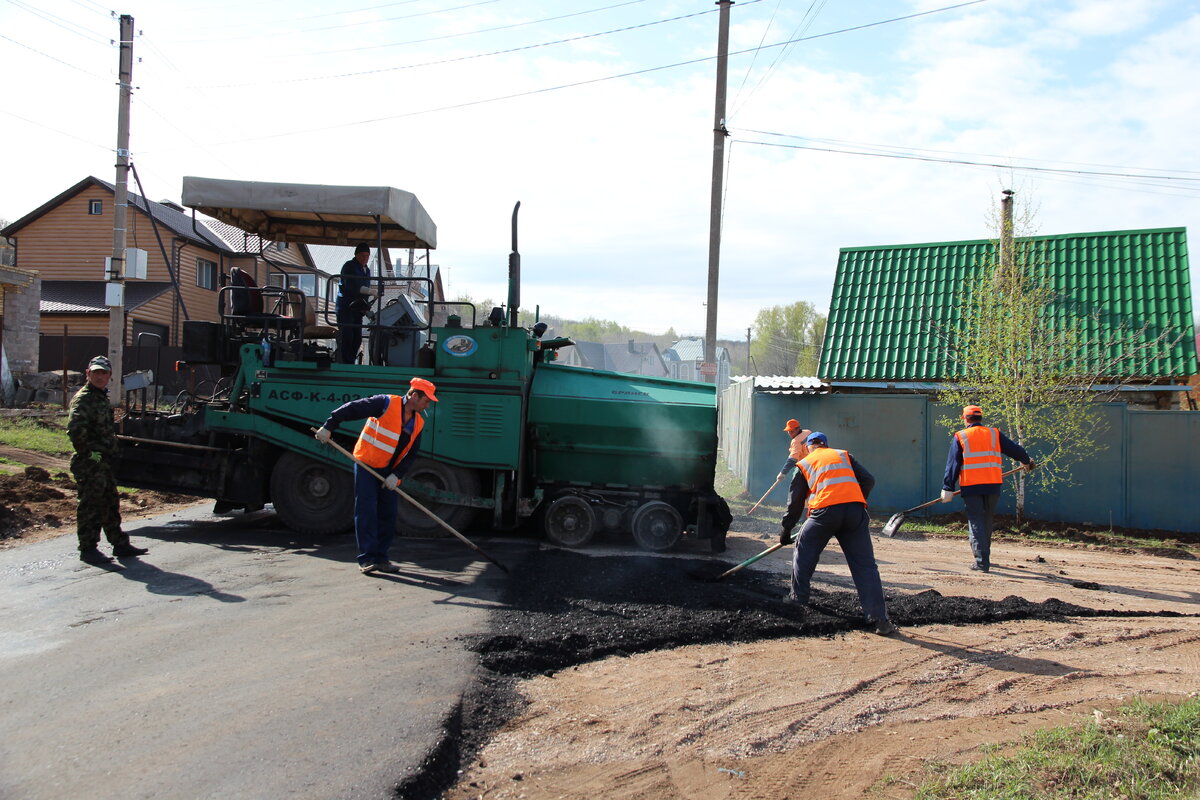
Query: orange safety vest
(981, 456)
(381, 435)
(830, 478)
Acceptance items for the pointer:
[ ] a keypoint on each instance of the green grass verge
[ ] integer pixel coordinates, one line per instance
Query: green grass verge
(43, 434)
(1147, 751)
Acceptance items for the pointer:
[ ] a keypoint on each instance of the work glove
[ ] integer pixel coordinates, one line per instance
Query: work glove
(947, 495)
(781, 476)
(786, 537)
(370, 291)
(96, 456)
(1029, 467)
(391, 482)
(323, 435)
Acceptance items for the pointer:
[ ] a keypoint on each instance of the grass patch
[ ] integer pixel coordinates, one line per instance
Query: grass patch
(727, 484)
(1147, 751)
(43, 434)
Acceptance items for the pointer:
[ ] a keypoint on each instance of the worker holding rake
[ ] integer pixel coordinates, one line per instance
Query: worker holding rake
(835, 487)
(974, 463)
(797, 449)
(385, 447)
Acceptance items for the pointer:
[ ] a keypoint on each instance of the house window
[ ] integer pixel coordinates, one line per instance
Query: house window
(206, 274)
(304, 281)
(95, 207)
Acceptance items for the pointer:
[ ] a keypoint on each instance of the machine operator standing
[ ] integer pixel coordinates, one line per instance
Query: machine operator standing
(353, 299)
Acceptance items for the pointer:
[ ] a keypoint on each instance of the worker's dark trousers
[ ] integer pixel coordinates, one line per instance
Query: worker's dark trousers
(374, 517)
(850, 524)
(349, 337)
(980, 510)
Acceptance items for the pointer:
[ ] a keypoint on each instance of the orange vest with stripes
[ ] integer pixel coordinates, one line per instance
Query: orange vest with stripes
(981, 456)
(381, 435)
(830, 478)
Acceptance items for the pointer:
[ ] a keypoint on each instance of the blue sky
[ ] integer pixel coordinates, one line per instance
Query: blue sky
(590, 114)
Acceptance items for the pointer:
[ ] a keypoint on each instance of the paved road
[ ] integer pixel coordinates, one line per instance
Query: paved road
(234, 661)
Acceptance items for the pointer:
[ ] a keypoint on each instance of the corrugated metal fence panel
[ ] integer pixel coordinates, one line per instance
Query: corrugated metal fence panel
(1148, 477)
(1164, 473)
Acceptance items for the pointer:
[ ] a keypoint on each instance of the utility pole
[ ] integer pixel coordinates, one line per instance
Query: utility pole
(115, 290)
(1007, 259)
(709, 367)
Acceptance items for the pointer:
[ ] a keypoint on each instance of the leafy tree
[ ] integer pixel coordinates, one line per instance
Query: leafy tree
(1034, 363)
(787, 340)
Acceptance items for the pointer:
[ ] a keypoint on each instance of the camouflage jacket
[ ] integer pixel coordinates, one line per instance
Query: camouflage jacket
(90, 423)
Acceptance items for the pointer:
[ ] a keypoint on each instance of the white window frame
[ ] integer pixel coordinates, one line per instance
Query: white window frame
(201, 265)
(95, 208)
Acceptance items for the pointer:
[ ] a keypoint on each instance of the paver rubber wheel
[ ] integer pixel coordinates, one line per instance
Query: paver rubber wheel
(312, 497)
(570, 521)
(440, 478)
(657, 526)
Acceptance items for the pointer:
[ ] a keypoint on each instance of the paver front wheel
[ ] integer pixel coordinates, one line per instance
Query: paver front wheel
(657, 526)
(312, 497)
(570, 521)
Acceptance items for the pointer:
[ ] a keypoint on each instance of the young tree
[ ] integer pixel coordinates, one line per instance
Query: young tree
(787, 339)
(1035, 364)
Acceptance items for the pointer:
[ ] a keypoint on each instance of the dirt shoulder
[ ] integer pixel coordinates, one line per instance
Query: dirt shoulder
(833, 716)
(38, 498)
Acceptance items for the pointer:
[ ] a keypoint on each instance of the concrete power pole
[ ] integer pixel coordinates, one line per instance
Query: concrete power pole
(709, 366)
(1007, 259)
(115, 291)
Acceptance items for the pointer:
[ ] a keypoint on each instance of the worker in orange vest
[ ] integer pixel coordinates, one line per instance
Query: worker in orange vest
(387, 444)
(836, 487)
(797, 449)
(974, 463)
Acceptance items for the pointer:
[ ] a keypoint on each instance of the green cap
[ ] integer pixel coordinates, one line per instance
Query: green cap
(100, 362)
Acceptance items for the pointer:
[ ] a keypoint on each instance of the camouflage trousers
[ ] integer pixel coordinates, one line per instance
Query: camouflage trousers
(99, 506)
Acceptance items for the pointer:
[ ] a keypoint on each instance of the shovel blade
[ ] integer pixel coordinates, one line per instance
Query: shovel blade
(893, 525)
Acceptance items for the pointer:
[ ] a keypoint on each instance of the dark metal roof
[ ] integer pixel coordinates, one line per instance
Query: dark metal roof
(888, 300)
(87, 297)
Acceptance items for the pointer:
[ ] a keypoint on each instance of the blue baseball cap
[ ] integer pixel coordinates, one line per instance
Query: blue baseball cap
(817, 437)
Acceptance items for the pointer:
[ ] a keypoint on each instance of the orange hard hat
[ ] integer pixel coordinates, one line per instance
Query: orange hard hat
(422, 385)
(792, 425)
(972, 411)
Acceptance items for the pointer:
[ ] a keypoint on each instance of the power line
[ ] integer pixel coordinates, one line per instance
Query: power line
(964, 162)
(52, 58)
(55, 130)
(471, 33)
(576, 84)
(66, 25)
(462, 58)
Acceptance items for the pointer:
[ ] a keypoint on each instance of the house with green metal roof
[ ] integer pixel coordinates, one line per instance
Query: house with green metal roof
(889, 304)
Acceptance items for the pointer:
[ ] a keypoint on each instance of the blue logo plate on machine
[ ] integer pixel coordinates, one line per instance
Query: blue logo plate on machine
(460, 345)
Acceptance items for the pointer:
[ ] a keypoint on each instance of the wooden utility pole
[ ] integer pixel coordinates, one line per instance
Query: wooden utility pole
(709, 367)
(115, 289)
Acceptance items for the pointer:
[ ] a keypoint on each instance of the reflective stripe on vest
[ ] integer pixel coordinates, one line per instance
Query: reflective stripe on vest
(981, 456)
(830, 478)
(381, 435)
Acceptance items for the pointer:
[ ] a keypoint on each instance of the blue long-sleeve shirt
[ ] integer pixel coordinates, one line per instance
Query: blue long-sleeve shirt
(354, 277)
(376, 406)
(954, 463)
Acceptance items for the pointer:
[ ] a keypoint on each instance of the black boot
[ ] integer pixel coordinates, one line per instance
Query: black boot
(92, 555)
(126, 550)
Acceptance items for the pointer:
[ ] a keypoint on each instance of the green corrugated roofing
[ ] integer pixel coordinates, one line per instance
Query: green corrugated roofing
(888, 301)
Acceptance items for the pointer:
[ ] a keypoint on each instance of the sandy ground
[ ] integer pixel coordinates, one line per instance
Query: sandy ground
(839, 716)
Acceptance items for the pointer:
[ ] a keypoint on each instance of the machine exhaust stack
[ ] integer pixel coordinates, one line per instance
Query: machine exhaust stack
(514, 274)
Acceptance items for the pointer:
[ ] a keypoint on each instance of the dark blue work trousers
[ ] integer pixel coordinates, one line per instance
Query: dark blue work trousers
(349, 336)
(374, 517)
(981, 508)
(849, 523)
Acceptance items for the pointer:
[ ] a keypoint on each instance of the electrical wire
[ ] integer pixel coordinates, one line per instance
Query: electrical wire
(52, 58)
(55, 130)
(66, 25)
(462, 58)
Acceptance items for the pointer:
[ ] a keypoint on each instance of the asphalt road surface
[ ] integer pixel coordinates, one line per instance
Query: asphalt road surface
(236, 660)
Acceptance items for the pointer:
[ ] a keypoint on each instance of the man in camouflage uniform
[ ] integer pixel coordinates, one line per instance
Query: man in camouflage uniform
(90, 427)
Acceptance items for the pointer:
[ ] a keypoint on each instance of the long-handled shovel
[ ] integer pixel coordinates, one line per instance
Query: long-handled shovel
(764, 497)
(893, 524)
(410, 499)
(748, 561)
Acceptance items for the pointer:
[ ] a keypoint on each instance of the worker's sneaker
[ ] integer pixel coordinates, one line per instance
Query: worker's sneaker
(92, 555)
(365, 568)
(885, 627)
(976, 568)
(127, 550)
(386, 566)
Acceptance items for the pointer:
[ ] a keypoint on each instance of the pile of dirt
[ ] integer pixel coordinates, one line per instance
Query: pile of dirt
(35, 503)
